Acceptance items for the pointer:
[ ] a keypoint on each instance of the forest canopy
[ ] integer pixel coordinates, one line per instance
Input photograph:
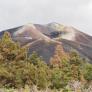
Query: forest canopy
(18, 69)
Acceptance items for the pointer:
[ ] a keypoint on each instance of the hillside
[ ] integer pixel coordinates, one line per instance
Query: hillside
(44, 38)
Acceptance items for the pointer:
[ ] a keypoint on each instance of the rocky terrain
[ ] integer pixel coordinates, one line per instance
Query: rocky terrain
(44, 38)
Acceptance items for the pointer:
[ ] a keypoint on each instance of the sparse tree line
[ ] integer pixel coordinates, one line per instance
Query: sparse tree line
(66, 71)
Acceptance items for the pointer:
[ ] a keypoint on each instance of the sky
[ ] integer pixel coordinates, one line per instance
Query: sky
(76, 13)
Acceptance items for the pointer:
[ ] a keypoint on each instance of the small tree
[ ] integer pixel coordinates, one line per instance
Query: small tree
(88, 72)
(76, 64)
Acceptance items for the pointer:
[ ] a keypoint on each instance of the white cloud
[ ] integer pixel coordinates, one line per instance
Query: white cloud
(71, 12)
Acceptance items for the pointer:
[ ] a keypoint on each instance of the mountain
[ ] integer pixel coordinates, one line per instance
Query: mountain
(44, 39)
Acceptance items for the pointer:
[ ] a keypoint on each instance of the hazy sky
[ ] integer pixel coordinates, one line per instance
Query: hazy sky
(77, 13)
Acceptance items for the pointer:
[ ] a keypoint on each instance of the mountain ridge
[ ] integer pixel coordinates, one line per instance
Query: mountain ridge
(48, 36)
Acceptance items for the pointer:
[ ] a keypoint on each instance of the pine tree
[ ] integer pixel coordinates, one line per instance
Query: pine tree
(88, 72)
(76, 65)
(41, 75)
(12, 61)
(58, 57)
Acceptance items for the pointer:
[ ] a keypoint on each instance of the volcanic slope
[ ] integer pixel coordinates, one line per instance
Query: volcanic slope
(44, 38)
